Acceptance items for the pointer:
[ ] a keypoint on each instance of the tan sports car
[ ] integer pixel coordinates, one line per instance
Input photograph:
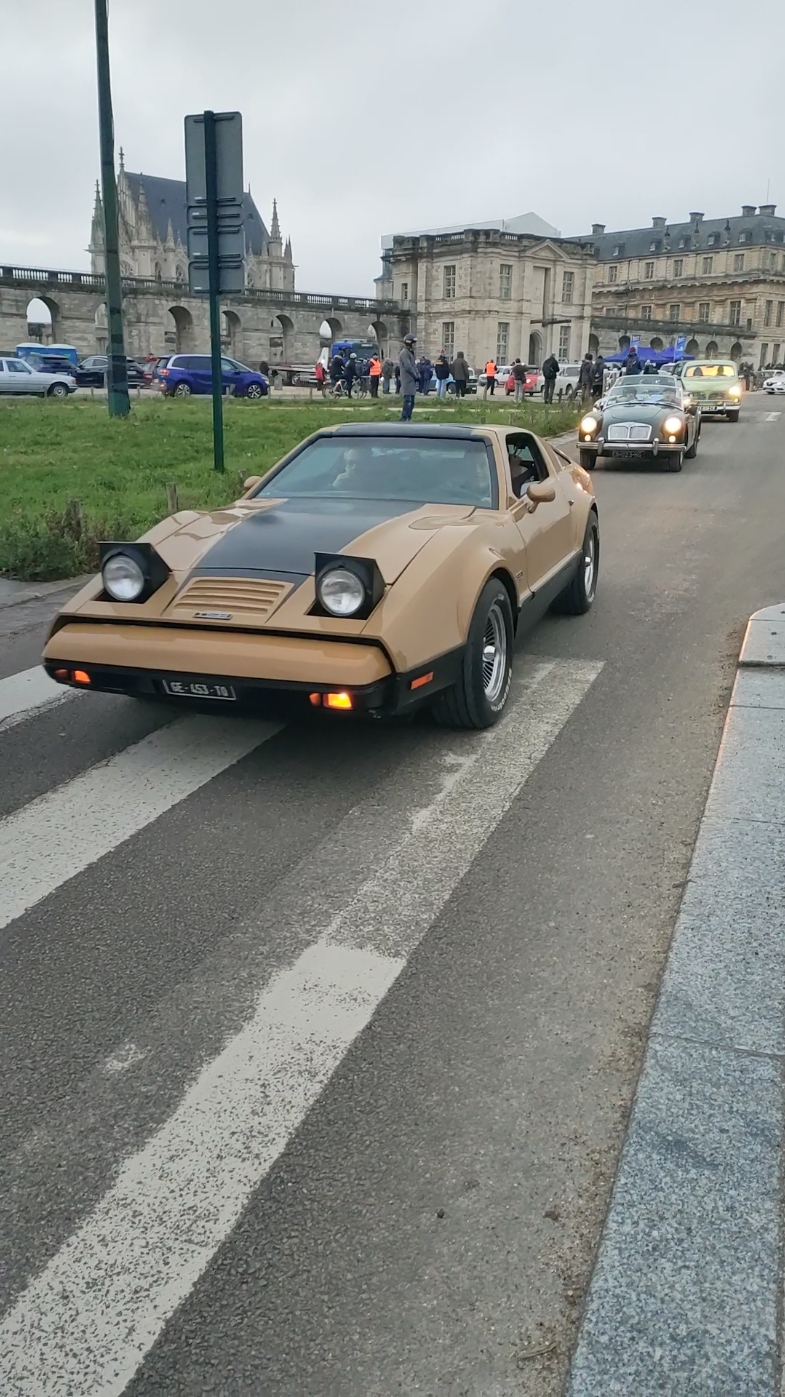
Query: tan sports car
(377, 567)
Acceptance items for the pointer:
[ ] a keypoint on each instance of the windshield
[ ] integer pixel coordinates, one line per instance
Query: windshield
(410, 468)
(645, 389)
(710, 371)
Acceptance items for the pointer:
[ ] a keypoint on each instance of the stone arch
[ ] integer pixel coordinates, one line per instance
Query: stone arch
(712, 348)
(43, 315)
(334, 327)
(594, 345)
(231, 333)
(692, 347)
(656, 343)
(101, 321)
(736, 352)
(535, 348)
(179, 334)
(378, 331)
(287, 336)
(624, 342)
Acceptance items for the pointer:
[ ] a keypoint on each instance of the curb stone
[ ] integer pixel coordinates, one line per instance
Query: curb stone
(686, 1289)
(45, 589)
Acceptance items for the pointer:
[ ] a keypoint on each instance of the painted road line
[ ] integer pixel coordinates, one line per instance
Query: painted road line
(63, 832)
(772, 416)
(26, 693)
(87, 1321)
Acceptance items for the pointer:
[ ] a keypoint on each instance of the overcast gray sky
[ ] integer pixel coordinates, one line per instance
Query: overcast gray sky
(365, 119)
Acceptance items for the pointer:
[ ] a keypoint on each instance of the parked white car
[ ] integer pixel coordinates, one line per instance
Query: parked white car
(567, 380)
(503, 372)
(775, 382)
(16, 376)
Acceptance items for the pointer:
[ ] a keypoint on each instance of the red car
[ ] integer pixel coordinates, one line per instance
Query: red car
(530, 382)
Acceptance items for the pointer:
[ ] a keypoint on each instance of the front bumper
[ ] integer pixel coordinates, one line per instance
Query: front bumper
(141, 660)
(601, 447)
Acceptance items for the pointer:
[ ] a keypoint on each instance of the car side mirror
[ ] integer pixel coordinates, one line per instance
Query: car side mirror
(540, 492)
(251, 482)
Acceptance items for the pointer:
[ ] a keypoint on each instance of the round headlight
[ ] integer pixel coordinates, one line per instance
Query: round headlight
(123, 577)
(735, 391)
(340, 592)
(589, 424)
(672, 425)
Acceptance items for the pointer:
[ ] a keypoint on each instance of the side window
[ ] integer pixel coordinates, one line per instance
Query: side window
(2, 366)
(525, 460)
(227, 367)
(16, 366)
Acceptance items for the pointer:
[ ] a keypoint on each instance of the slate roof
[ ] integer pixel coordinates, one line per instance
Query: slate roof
(705, 235)
(166, 200)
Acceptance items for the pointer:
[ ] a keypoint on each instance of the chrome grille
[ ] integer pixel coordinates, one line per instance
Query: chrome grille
(629, 431)
(240, 596)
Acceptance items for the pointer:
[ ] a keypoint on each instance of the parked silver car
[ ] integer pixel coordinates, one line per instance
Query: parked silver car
(17, 376)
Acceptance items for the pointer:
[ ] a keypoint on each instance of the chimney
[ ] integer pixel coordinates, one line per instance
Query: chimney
(597, 229)
(768, 209)
(748, 210)
(658, 222)
(696, 218)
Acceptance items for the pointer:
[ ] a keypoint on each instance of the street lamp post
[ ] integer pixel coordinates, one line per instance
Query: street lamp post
(117, 369)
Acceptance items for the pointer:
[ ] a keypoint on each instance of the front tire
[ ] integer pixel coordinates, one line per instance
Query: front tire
(478, 698)
(254, 390)
(692, 451)
(588, 460)
(577, 599)
(733, 416)
(675, 461)
(58, 390)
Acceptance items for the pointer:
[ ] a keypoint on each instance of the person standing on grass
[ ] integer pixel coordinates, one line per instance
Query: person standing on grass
(550, 372)
(460, 372)
(426, 375)
(374, 374)
(586, 377)
(319, 375)
(410, 376)
(388, 368)
(442, 371)
(490, 378)
(519, 374)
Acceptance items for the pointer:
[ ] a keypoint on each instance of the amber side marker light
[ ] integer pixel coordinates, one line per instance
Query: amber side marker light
(315, 699)
(338, 701)
(63, 675)
(423, 679)
(81, 676)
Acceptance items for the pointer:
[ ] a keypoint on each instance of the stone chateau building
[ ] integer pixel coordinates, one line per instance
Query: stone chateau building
(154, 233)
(504, 288)
(718, 282)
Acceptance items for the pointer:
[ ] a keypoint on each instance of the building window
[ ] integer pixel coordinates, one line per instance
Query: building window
(505, 281)
(769, 307)
(502, 341)
(735, 313)
(674, 312)
(448, 338)
(744, 237)
(704, 310)
(678, 266)
(404, 290)
(780, 313)
(610, 310)
(783, 261)
(617, 249)
(648, 271)
(449, 283)
(714, 240)
(645, 312)
(764, 355)
(564, 343)
(567, 287)
(738, 261)
(776, 353)
(613, 274)
(773, 261)
(708, 264)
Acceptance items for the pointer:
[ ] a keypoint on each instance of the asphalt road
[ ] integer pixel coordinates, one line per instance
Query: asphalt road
(318, 1041)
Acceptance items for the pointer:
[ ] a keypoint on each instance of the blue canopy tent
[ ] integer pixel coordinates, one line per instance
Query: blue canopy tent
(650, 356)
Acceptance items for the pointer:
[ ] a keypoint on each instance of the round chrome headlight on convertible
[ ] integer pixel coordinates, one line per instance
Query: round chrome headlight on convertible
(340, 592)
(672, 426)
(123, 577)
(589, 424)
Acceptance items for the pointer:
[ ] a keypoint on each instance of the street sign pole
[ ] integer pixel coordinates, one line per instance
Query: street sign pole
(118, 400)
(211, 201)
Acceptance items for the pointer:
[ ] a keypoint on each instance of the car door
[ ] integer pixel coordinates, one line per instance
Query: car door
(547, 532)
(21, 377)
(230, 376)
(5, 378)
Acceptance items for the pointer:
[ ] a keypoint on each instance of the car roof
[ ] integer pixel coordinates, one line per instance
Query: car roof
(453, 431)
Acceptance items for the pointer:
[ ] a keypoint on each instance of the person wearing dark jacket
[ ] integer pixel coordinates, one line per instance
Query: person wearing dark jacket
(586, 376)
(336, 369)
(550, 372)
(519, 375)
(410, 376)
(460, 372)
(442, 370)
(598, 378)
(350, 373)
(632, 364)
(426, 374)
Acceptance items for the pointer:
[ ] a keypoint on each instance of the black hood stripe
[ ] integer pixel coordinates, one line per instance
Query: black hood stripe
(285, 538)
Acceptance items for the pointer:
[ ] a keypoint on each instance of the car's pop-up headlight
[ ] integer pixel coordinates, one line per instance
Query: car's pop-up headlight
(131, 572)
(349, 587)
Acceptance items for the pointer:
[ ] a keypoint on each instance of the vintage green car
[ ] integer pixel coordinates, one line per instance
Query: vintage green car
(713, 384)
(643, 415)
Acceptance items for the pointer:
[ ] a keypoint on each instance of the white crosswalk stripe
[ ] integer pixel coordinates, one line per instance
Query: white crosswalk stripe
(63, 832)
(24, 694)
(86, 1322)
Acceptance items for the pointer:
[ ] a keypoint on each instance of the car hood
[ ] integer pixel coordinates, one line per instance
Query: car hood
(637, 412)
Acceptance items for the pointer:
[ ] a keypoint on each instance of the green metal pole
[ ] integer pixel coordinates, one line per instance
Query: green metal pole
(117, 375)
(211, 192)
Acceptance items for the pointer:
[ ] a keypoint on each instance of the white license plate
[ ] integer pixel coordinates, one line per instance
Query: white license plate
(199, 689)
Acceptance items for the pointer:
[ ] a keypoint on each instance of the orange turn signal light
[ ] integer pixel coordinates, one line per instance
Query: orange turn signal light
(315, 699)
(63, 675)
(423, 679)
(342, 700)
(81, 676)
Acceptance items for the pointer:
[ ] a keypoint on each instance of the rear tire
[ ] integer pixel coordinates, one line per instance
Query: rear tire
(578, 598)
(478, 698)
(183, 390)
(588, 460)
(733, 416)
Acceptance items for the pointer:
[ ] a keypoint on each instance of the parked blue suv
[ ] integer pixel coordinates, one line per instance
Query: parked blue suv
(192, 373)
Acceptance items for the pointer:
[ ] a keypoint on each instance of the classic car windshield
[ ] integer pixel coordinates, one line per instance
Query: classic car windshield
(433, 471)
(710, 371)
(642, 389)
